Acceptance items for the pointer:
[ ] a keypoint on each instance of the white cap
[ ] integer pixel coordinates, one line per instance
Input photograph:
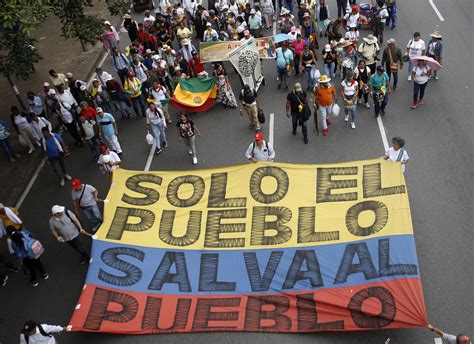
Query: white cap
(57, 209)
(99, 110)
(252, 11)
(208, 24)
(51, 92)
(45, 84)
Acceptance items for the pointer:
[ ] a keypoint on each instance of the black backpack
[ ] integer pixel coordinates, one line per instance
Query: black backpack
(264, 145)
(42, 331)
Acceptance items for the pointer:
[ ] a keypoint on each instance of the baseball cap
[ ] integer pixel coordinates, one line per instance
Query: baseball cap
(99, 110)
(390, 41)
(252, 11)
(45, 84)
(51, 92)
(103, 148)
(28, 326)
(327, 47)
(57, 209)
(298, 87)
(258, 136)
(76, 184)
(69, 75)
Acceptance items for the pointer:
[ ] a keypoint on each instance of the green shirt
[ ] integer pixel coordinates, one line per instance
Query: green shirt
(377, 81)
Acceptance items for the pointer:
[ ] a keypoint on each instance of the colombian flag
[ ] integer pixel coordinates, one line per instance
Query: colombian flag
(195, 94)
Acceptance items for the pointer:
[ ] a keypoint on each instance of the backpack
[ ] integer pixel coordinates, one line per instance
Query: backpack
(33, 247)
(265, 147)
(42, 331)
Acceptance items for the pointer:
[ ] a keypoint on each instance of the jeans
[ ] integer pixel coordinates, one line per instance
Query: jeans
(392, 15)
(353, 111)
(159, 133)
(418, 90)
(138, 104)
(58, 165)
(395, 77)
(341, 8)
(325, 111)
(289, 5)
(380, 106)
(294, 122)
(297, 64)
(92, 212)
(32, 265)
(309, 75)
(7, 148)
(94, 144)
(410, 68)
(190, 142)
(122, 108)
(282, 76)
(77, 244)
(329, 69)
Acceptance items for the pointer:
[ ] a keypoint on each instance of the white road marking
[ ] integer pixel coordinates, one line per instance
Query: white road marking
(271, 130)
(382, 133)
(438, 13)
(30, 185)
(150, 157)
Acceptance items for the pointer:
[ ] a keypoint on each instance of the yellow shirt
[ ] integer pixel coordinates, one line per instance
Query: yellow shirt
(7, 222)
(132, 86)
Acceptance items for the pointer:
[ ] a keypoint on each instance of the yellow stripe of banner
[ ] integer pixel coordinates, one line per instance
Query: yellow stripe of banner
(256, 206)
(194, 99)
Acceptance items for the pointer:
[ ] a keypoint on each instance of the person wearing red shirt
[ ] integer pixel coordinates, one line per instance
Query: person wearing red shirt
(198, 66)
(87, 111)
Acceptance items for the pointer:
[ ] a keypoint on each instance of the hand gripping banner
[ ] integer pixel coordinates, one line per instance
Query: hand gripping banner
(255, 247)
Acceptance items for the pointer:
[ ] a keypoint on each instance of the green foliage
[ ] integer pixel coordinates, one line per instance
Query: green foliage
(23, 15)
(119, 7)
(75, 23)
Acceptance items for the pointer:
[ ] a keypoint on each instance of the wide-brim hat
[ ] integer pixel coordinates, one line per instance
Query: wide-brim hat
(346, 43)
(324, 78)
(284, 11)
(370, 39)
(436, 34)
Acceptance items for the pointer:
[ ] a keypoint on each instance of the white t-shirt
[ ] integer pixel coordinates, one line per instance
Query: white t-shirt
(384, 15)
(349, 89)
(421, 79)
(21, 122)
(114, 158)
(352, 18)
(88, 127)
(415, 48)
(393, 156)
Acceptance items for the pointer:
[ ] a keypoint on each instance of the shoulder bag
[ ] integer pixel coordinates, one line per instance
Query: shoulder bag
(393, 65)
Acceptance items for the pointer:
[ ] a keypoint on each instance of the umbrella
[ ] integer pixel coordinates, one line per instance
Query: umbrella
(429, 61)
(281, 37)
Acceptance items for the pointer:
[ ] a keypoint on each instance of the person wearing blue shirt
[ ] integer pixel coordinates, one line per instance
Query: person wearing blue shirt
(108, 130)
(54, 148)
(284, 59)
(379, 86)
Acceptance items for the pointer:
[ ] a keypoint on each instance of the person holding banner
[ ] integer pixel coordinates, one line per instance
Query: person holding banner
(449, 338)
(259, 150)
(397, 152)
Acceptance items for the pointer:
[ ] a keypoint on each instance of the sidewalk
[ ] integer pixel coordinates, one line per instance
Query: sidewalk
(63, 56)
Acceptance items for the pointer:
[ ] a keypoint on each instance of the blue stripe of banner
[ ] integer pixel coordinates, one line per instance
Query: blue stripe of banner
(191, 272)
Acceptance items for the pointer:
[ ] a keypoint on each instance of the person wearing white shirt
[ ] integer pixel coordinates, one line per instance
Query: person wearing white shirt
(259, 150)
(415, 47)
(161, 95)
(65, 97)
(148, 21)
(37, 123)
(64, 111)
(420, 74)
(108, 161)
(35, 103)
(155, 120)
(397, 152)
(33, 333)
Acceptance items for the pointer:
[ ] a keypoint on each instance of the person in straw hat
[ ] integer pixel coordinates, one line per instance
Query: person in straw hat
(369, 50)
(435, 49)
(324, 97)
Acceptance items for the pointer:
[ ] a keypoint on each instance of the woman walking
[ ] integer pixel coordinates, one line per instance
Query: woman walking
(421, 74)
(187, 131)
(322, 16)
(27, 250)
(155, 120)
(362, 76)
(225, 95)
(435, 49)
(349, 90)
(329, 59)
(23, 127)
(268, 12)
(308, 64)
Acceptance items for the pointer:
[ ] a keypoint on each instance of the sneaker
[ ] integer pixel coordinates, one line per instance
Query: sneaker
(31, 150)
(413, 106)
(367, 105)
(61, 182)
(195, 161)
(13, 268)
(325, 132)
(294, 132)
(395, 88)
(158, 151)
(346, 118)
(421, 102)
(436, 77)
(45, 276)
(409, 78)
(190, 152)
(359, 101)
(165, 144)
(34, 283)
(353, 125)
(4, 280)
(305, 140)
(68, 177)
(328, 122)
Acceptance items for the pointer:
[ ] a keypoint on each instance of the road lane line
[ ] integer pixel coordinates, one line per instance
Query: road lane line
(438, 13)
(271, 130)
(382, 133)
(150, 157)
(30, 185)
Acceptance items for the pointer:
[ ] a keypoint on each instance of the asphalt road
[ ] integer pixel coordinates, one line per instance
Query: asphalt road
(439, 177)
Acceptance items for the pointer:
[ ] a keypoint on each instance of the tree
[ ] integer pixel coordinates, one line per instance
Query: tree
(18, 19)
(75, 23)
(119, 7)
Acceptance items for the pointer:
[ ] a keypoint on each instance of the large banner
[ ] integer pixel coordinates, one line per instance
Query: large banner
(264, 247)
(246, 61)
(217, 51)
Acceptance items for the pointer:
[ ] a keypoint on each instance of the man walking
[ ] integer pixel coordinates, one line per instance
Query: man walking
(66, 228)
(284, 59)
(108, 130)
(85, 197)
(296, 101)
(120, 63)
(249, 103)
(392, 60)
(259, 150)
(379, 86)
(54, 148)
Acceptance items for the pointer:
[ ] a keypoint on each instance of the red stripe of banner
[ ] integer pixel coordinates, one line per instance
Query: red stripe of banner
(365, 307)
(202, 108)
